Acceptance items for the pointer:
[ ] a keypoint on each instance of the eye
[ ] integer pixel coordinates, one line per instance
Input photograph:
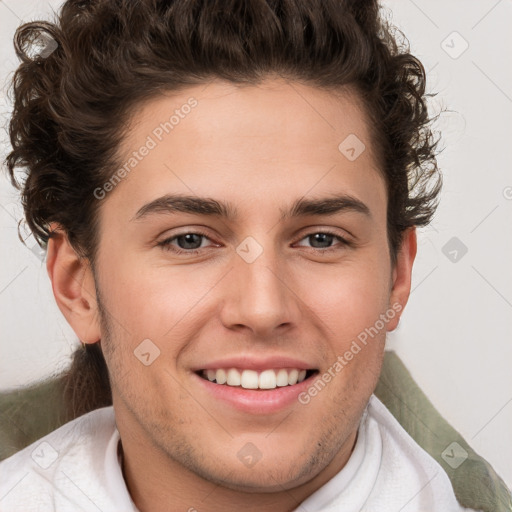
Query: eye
(325, 238)
(187, 243)
(192, 242)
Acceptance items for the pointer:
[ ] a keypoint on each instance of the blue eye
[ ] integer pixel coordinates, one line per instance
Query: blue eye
(326, 237)
(191, 242)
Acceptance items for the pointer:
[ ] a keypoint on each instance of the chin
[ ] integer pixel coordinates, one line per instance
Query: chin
(263, 480)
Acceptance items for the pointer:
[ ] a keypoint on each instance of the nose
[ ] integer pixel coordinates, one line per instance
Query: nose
(260, 296)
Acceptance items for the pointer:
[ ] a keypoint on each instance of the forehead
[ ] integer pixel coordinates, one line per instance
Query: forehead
(273, 140)
(274, 110)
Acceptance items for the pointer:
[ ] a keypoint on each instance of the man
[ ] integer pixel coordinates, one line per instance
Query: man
(223, 191)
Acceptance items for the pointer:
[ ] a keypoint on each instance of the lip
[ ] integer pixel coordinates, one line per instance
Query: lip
(251, 401)
(257, 364)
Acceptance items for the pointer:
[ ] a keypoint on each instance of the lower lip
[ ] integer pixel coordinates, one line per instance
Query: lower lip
(255, 401)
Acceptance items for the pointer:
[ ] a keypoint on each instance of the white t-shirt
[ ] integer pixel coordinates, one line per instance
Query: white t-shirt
(77, 468)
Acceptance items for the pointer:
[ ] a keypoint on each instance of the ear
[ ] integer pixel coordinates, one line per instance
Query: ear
(401, 276)
(73, 286)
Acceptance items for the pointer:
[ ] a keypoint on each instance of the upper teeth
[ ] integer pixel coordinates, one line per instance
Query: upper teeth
(251, 379)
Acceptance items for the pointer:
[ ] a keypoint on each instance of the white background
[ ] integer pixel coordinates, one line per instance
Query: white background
(456, 334)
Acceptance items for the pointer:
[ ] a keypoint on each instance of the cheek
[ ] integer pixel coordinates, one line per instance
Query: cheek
(154, 301)
(349, 299)
(151, 301)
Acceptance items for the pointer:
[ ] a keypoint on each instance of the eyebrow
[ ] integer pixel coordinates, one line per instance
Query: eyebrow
(173, 203)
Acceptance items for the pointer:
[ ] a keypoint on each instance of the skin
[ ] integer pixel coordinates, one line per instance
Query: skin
(260, 148)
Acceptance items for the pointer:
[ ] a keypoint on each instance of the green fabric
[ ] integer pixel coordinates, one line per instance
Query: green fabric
(30, 413)
(475, 482)
(27, 414)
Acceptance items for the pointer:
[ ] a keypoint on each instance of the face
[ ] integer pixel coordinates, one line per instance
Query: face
(266, 271)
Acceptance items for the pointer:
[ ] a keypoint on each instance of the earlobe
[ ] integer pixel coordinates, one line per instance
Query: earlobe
(73, 286)
(402, 273)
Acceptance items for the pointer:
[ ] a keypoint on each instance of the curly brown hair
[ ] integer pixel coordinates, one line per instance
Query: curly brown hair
(72, 105)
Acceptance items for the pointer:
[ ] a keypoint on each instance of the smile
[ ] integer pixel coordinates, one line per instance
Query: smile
(252, 379)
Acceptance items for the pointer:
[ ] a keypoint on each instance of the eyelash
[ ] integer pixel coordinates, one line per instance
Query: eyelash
(166, 244)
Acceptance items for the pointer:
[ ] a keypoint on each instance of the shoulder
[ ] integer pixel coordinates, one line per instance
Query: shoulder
(407, 470)
(67, 458)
